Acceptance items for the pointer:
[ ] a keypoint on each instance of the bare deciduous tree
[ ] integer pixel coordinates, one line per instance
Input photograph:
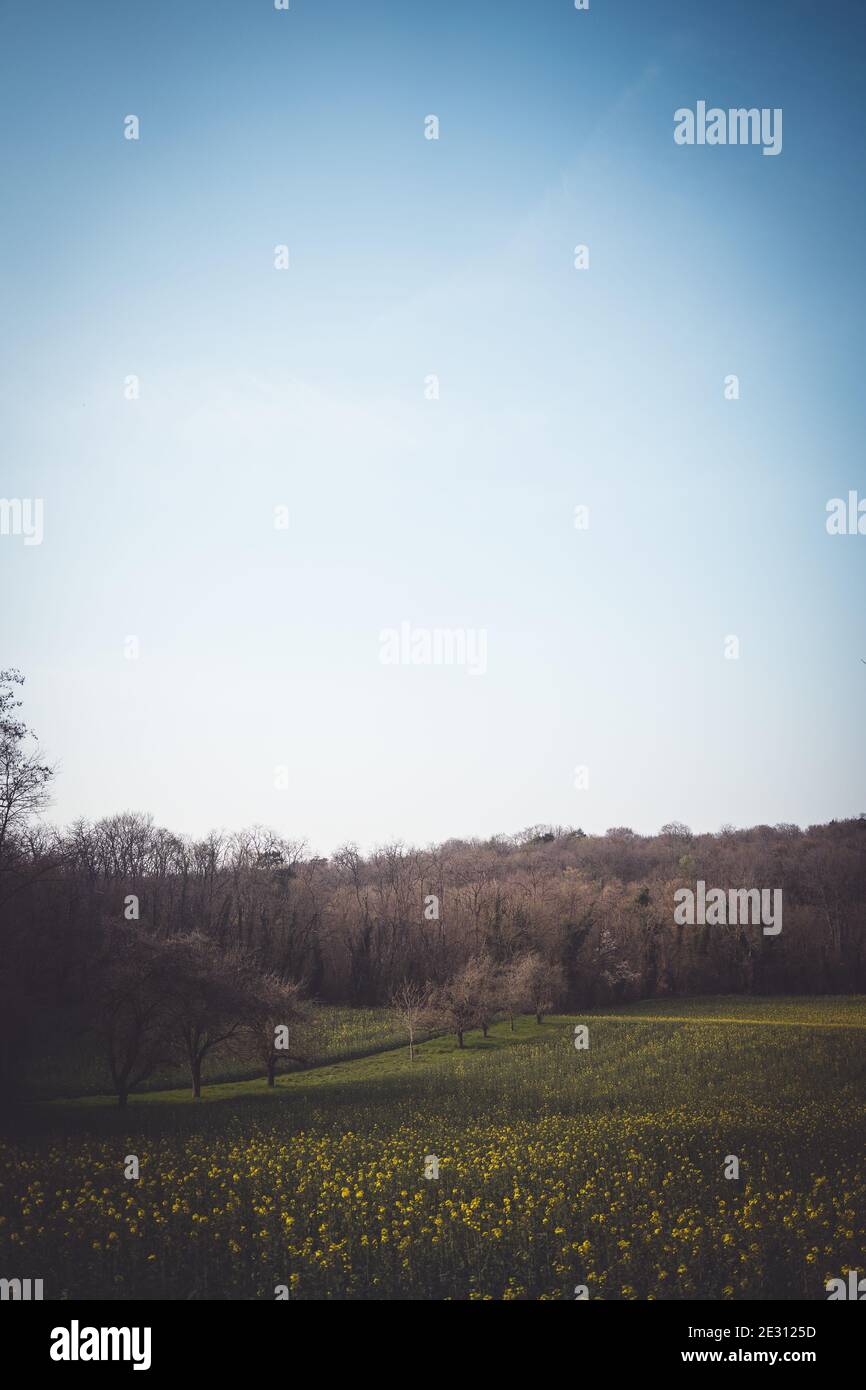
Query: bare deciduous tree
(127, 994)
(464, 1001)
(277, 1018)
(210, 994)
(542, 982)
(515, 994)
(413, 1005)
(24, 777)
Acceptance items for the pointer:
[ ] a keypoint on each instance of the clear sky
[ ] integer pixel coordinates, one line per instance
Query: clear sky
(259, 648)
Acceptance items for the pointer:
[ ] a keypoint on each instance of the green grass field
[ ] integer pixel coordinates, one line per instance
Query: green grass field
(72, 1069)
(557, 1168)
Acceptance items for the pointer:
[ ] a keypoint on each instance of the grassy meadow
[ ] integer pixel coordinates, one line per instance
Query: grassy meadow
(73, 1069)
(556, 1167)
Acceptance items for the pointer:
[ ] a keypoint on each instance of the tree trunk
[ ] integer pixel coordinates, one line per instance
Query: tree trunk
(484, 1028)
(511, 1016)
(538, 1018)
(122, 1097)
(196, 1079)
(459, 1039)
(272, 1071)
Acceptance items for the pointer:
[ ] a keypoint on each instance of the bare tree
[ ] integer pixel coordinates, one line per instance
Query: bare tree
(542, 982)
(127, 998)
(413, 1005)
(210, 995)
(515, 991)
(24, 777)
(489, 992)
(278, 1017)
(460, 1003)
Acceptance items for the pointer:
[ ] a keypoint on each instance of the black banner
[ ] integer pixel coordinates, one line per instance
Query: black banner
(164, 1339)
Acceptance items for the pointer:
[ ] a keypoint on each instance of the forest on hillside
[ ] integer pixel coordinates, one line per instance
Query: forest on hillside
(107, 924)
(351, 928)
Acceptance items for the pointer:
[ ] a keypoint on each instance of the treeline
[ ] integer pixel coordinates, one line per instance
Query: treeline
(86, 908)
(599, 910)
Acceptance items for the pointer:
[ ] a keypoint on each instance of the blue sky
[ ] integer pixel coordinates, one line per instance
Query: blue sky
(304, 388)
